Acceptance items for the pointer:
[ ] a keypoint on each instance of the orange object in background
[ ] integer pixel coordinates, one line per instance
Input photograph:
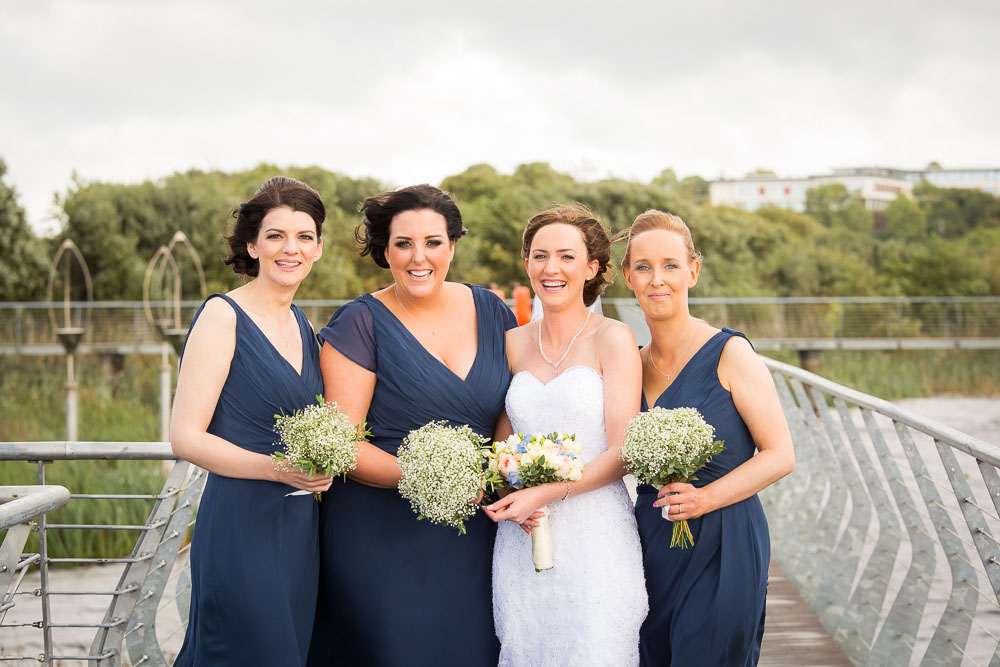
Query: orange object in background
(522, 305)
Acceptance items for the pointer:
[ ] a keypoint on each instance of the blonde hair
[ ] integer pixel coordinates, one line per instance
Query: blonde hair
(653, 219)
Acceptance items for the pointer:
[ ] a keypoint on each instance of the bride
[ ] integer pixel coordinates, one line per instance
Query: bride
(574, 372)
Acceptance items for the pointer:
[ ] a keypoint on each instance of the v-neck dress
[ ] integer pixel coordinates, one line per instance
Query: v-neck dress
(255, 550)
(395, 590)
(706, 602)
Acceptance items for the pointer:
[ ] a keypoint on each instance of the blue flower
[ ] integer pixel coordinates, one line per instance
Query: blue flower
(521, 449)
(513, 479)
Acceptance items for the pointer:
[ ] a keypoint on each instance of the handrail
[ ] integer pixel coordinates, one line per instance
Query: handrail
(136, 602)
(733, 300)
(20, 504)
(972, 446)
(65, 450)
(888, 526)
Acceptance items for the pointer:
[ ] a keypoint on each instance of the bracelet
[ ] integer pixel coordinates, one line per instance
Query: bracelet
(566, 495)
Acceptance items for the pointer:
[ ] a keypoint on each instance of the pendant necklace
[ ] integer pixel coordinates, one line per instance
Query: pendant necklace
(683, 352)
(555, 364)
(403, 306)
(284, 339)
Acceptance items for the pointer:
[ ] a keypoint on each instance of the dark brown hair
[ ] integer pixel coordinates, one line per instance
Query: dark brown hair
(372, 235)
(595, 238)
(275, 192)
(653, 219)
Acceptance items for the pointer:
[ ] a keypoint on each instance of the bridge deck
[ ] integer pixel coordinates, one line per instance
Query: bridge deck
(793, 635)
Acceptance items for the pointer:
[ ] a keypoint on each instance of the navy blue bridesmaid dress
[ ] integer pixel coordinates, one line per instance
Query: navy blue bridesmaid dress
(255, 551)
(706, 602)
(395, 590)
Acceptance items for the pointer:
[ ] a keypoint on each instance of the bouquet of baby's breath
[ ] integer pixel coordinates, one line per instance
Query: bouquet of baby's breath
(318, 440)
(665, 446)
(443, 472)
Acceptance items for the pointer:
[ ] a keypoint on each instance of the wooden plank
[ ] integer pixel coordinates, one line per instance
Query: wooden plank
(793, 635)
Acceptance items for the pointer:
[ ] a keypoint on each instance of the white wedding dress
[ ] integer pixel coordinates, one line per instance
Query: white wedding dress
(588, 608)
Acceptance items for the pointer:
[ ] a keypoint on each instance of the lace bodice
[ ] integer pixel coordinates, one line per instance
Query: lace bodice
(571, 402)
(587, 609)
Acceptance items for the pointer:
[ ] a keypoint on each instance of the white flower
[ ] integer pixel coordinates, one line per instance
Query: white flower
(319, 440)
(443, 474)
(663, 446)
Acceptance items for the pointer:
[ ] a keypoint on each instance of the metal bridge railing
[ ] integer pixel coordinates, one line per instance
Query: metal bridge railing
(149, 581)
(888, 527)
(121, 326)
(20, 506)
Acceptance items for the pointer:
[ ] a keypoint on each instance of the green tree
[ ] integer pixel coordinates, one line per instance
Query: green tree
(119, 227)
(694, 189)
(952, 212)
(834, 206)
(23, 265)
(904, 220)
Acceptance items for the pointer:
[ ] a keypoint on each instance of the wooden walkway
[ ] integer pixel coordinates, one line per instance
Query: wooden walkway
(793, 636)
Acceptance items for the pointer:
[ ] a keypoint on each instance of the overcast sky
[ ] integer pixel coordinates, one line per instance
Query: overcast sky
(415, 90)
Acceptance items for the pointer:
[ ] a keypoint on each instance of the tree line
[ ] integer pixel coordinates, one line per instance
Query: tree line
(940, 242)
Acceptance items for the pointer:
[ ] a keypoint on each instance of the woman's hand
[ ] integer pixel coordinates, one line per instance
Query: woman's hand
(521, 506)
(301, 480)
(685, 500)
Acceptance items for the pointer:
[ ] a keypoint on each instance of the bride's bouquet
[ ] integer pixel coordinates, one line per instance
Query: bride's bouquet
(665, 446)
(318, 440)
(521, 461)
(443, 473)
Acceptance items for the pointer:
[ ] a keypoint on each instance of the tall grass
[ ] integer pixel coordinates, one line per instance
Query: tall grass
(892, 374)
(113, 405)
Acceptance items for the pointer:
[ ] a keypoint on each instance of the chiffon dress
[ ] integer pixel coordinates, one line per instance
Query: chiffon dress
(395, 590)
(706, 602)
(255, 549)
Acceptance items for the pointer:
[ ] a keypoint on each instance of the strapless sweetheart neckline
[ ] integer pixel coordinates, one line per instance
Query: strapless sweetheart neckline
(561, 375)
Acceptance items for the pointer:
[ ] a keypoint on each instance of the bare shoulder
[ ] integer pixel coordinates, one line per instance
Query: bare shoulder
(517, 340)
(614, 334)
(738, 350)
(216, 317)
(739, 365)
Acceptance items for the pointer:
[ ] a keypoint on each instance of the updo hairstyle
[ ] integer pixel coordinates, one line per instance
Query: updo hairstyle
(276, 192)
(377, 211)
(595, 238)
(653, 219)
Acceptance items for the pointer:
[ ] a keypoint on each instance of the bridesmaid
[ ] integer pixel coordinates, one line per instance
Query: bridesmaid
(397, 591)
(706, 603)
(250, 355)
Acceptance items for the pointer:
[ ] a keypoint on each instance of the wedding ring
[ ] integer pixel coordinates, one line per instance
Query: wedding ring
(680, 508)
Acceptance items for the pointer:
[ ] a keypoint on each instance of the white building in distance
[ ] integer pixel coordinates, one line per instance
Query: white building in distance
(876, 185)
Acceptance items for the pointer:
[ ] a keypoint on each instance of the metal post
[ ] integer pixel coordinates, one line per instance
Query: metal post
(809, 360)
(43, 570)
(71, 401)
(165, 386)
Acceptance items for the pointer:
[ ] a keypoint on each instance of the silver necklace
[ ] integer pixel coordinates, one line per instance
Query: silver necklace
(555, 365)
(283, 338)
(403, 306)
(683, 352)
